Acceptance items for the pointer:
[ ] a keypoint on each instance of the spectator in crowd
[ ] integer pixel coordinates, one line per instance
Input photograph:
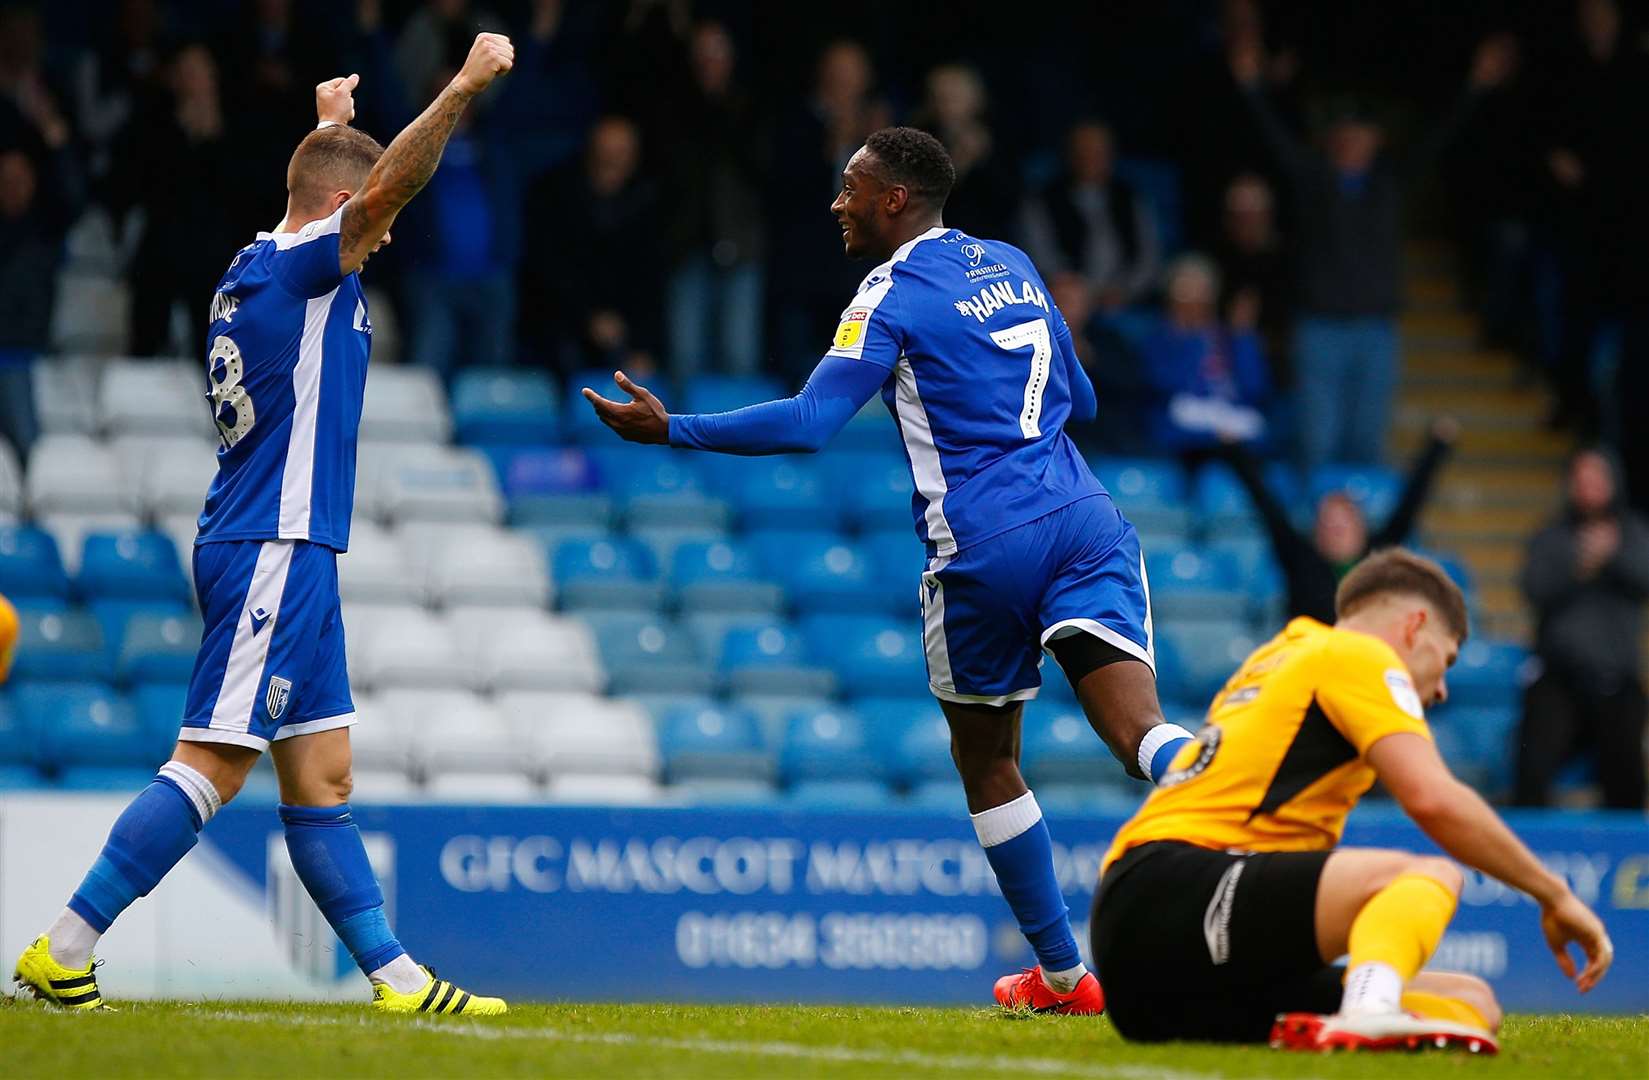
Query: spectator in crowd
(1340, 536)
(1587, 578)
(1348, 202)
(1257, 279)
(1208, 377)
(809, 280)
(114, 76)
(986, 194)
(461, 246)
(717, 227)
(29, 99)
(437, 37)
(178, 148)
(1090, 223)
(594, 295)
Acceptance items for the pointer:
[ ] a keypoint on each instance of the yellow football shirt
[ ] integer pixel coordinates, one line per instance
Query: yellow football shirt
(8, 636)
(1281, 761)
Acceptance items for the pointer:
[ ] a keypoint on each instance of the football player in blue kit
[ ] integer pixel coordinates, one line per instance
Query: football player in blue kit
(1026, 551)
(285, 373)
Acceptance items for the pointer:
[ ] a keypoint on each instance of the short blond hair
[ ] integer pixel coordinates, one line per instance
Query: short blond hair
(329, 160)
(1397, 571)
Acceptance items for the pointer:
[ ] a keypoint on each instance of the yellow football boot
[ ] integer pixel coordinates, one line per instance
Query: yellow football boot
(51, 982)
(437, 996)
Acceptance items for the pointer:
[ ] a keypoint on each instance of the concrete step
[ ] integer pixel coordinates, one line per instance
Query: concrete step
(1487, 522)
(1452, 326)
(1491, 445)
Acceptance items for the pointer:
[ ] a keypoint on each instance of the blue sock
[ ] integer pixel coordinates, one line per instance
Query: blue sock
(331, 862)
(1016, 842)
(148, 838)
(1159, 748)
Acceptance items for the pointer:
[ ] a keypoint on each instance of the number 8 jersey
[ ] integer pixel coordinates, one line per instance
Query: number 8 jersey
(980, 375)
(286, 370)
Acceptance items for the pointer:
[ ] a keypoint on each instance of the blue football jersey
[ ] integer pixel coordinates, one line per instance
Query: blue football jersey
(979, 369)
(286, 370)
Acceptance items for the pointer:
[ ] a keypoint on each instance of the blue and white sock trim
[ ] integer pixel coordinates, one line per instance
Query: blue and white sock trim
(1157, 749)
(1002, 823)
(200, 792)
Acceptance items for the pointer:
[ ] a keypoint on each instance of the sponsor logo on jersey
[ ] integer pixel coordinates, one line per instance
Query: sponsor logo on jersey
(998, 295)
(975, 253)
(1402, 692)
(280, 692)
(852, 327)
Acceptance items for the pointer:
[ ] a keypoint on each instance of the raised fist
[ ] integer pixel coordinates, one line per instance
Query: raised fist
(491, 56)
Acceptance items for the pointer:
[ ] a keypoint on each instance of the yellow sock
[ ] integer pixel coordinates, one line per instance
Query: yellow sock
(1438, 1007)
(1392, 938)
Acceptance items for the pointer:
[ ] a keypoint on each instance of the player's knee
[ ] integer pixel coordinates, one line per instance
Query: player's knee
(1480, 996)
(1444, 871)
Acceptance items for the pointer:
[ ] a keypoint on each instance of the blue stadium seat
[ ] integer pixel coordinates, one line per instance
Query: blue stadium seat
(1484, 736)
(729, 793)
(871, 428)
(1488, 674)
(1222, 505)
(723, 393)
(656, 705)
(1073, 800)
(114, 616)
(1452, 565)
(939, 795)
(782, 493)
(665, 540)
(770, 658)
(721, 743)
(773, 712)
(667, 491)
(876, 487)
(1194, 659)
(512, 406)
(923, 750)
(873, 656)
(17, 743)
(158, 707)
(1257, 569)
(710, 629)
(820, 571)
(828, 744)
(86, 724)
(888, 720)
(60, 644)
(30, 565)
(615, 573)
(158, 648)
(580, 424)
(645, 654)
(1375, 490)
(1141, 483)
(722, 575)
(131, 566)
(547, 471)
(1063, 749)
(836, 795)
(109, 778)
(897, 560)
(1196, 584)
(21, 778)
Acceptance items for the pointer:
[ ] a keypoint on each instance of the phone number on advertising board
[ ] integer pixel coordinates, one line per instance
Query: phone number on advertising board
(840, 940)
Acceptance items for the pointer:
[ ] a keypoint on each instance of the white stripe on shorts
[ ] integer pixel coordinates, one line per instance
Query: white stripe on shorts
(933, 626)
(249, 652)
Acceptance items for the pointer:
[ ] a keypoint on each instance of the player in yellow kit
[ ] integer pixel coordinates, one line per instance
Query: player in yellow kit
(1224, 903)
(8, 637)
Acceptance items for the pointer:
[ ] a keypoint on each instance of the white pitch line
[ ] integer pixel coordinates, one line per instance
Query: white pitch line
(796, 1051)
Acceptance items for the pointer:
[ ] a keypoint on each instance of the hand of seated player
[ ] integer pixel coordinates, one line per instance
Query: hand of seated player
(642, 420)
(1569, 921)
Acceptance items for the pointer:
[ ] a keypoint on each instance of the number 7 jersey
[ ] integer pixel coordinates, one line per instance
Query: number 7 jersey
(285, 374)
(981, 378)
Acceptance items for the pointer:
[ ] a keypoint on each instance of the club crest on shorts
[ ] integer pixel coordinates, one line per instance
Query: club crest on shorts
(280, 692)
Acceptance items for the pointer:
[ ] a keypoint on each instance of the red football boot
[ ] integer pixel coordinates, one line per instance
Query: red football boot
(1378, 1032)
(1027, 991)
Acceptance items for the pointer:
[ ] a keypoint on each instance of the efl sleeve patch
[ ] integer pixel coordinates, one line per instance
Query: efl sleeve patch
(852, 328)
(1402, 692)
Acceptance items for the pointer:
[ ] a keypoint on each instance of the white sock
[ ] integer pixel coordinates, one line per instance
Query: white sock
(1373, 988)
(401, 975)
(70, 940)
(1063, 982)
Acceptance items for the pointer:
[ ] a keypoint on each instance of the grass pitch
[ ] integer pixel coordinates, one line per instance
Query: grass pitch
(225, 1040)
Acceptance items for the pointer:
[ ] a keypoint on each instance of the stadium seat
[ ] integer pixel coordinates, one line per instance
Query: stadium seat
(872, 655)
(361, 622)
(412, 650)
(876, 486)
(1076, 800)
(505, 570)
(159, 707)
(172, 476)
(404, 404)
(828, 744)
(589, 512)
(1151, 494)
(720, 743)
(131, 566)
(387, 738)
(449, 731)
(1194, 659)
(127, 779)
(916, 739)
(607, 574)
(376, 570)
(871, 428)
(897, 560)
(11, 485)
(59, 645)
(1222, 505)
(722, 575)
(85, 724)
(584, 734)
(710, 629)
(839, 795)
(782, 493)
(114, 616)
(665, 540)
(72, 474)
(30, 566)
(646, 654)
(154, 397)
(770, 658)
(383, 786)
(728, 793)
(526, 649)
(773, 712)
(1063, 749)
(1485, 739)
(1190, 584)
(724, 393)
(500, 789)
(944, 796)
(821, 572)
(65, 393)
(666, 492)
(552, 486)
(71, 530)
(512, 406)
(1489, 674)
(158, 648)
(580, 790)
(19, 745)
(1375, 490)
(435, 484)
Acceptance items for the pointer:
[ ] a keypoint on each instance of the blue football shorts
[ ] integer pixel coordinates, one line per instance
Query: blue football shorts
(990, 610)
(271, 662)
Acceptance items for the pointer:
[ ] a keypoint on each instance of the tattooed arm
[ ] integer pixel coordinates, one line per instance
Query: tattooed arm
(411, 159)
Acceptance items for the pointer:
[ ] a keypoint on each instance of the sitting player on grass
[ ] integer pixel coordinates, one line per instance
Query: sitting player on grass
(1026, 552)
(1225, 901)
(285, 376)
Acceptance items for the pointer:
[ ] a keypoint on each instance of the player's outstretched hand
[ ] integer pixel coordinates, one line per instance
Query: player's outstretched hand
(491, 56)
(643, 420)
(1568, 921)
(335, 99)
